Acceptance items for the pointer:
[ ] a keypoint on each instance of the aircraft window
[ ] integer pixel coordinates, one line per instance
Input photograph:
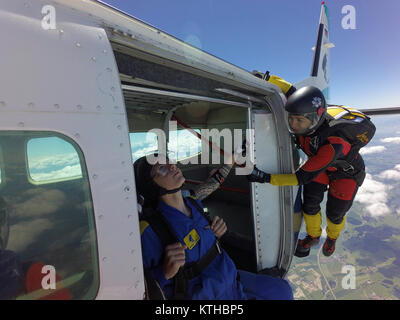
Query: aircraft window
(48, 247)
(183, 144)
(142, 144)
(52, 159)
(1, 172)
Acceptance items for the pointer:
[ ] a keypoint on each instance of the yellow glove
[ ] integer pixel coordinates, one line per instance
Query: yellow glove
(285, 86)
(284, 180)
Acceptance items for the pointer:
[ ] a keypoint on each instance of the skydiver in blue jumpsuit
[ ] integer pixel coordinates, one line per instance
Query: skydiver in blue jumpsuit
(161, 184)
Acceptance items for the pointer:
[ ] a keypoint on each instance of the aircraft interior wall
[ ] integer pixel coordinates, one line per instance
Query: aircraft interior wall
(157, 90)
(232, 201)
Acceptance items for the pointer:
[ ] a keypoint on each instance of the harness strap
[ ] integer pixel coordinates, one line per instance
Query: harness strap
(190, 272)
(195, 269)
(195, 204)
(347, 171)
(167, 236)
(162, 228)
(343, 165)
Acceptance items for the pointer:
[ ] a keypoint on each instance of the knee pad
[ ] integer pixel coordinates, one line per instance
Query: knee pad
(333, 230)
(313, 224)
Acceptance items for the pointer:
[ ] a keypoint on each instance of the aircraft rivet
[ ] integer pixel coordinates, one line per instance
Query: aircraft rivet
(112, 89)
(115, 107)
(101, 217)
(123, 163)
(134, 269)
(132, 251)
(98, 107)
(93, 59)
(77, 44)
(21, 124)
(61, 31)
(94, 176)
(121, 145)
(104, 258)
(129, 216)
(57, 106)
(31, 104)
(2, 104)
(109, 70)
(79, 107)
(119, 127)
(131, 234)
(127, 189)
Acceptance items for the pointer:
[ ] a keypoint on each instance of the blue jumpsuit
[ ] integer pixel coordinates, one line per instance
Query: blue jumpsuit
(220, 279)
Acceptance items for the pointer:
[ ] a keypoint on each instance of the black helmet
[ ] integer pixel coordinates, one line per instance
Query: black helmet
(308, 102)
(145, 185)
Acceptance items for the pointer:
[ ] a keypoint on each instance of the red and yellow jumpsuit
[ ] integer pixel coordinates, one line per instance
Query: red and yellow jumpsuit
(327, 148)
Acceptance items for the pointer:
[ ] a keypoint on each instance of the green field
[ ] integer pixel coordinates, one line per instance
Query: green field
(370, 241)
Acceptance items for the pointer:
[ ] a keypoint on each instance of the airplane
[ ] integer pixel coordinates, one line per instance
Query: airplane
(81, 83)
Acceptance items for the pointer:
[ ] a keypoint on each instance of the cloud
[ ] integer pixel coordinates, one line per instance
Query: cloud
(66, 172)
(391, 140)
(35, 203)
(373, 194)
(390, 175)
(59, 160)
(59, 166)
(23, 234)
(369, 150)
(144, 151)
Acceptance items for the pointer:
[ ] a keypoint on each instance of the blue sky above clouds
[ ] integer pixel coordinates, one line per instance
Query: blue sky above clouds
(278, 36)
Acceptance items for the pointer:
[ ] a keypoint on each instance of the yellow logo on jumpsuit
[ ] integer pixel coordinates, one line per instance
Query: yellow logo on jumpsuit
(191, 239)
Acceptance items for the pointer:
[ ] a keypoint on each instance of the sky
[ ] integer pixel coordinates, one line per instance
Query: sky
(278, 36)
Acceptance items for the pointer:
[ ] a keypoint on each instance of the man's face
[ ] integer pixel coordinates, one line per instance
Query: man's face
(168, 176)
(299, 124)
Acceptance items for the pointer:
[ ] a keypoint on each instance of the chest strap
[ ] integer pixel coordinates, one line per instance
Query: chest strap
(167, 236)
(193, 270)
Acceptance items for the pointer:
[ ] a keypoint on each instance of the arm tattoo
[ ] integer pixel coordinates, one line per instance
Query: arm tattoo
(212, 183)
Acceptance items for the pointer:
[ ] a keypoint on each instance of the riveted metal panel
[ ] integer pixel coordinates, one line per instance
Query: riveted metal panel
(66, 80)
(266, 198)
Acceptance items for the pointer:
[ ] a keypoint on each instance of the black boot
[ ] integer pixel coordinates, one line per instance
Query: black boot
(329, 247)
(304, 245)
